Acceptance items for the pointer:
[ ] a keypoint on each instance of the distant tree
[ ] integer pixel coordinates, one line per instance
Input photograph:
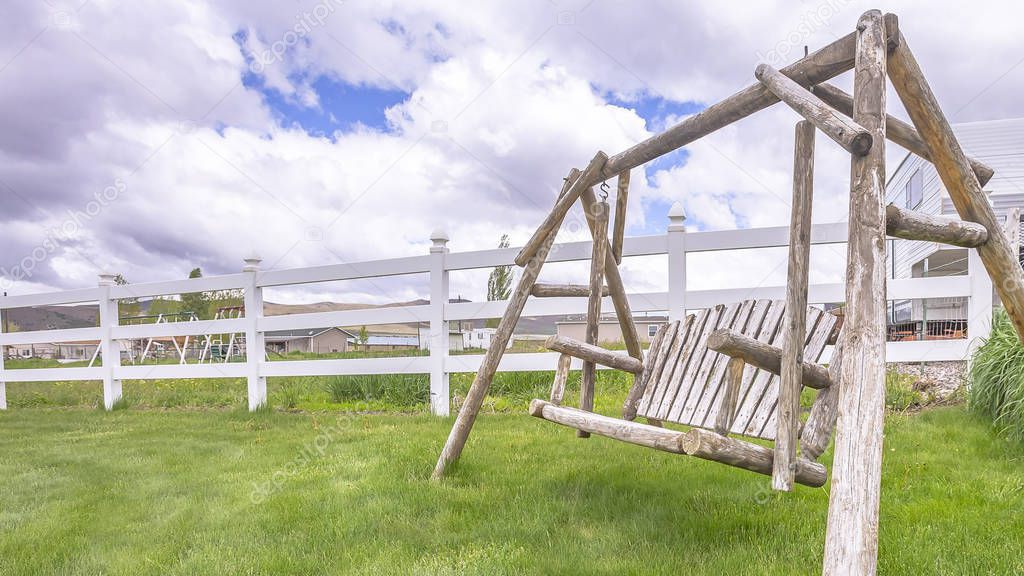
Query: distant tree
(364, 336)
(127, 307)
(499, 283)
(164, 306)
(197, 302)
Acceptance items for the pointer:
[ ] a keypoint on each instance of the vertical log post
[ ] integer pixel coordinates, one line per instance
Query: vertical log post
(788, 407)
(599, 256)
(561, 376)
(957, 175)
(727, 410)
(485, 374)
(1012, 228)
(822, 420)
(621, 200)
(616, 289)
(851, 539)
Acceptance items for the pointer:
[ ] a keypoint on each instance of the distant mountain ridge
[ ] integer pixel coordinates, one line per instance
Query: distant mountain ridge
(86, 315)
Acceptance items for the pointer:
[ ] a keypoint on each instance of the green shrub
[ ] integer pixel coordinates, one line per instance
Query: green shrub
(997, 379)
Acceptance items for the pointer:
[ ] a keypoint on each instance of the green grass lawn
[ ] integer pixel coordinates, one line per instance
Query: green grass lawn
(225, 492)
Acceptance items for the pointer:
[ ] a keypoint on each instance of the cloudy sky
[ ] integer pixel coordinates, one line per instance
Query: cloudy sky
(148, 138)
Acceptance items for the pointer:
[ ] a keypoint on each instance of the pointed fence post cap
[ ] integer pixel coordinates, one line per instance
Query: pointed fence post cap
(676, 218)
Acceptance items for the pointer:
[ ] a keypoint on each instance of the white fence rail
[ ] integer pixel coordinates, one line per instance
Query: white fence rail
(676, 243)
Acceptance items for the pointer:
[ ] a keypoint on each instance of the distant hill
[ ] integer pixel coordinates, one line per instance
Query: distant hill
(86, 315)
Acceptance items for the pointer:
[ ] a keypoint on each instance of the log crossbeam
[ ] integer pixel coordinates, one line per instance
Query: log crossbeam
(696, 442)
(564, 291)
(895, 129)
(910, 225)
(844, 131)
(764, 356)
(592, 353)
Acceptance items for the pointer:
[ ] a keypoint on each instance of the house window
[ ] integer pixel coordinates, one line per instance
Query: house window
(652, 329)
(915, 190)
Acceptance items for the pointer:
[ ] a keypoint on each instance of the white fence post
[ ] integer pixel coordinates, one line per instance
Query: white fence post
(254, 340)
(979, 305)
(676, 263)
(439, 334)
(3, 354)
(110, 350)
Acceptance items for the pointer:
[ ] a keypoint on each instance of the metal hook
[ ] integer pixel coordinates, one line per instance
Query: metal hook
(604, 190)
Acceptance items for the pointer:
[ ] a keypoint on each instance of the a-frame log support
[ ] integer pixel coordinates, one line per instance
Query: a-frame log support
(851, 539)
(960, 180)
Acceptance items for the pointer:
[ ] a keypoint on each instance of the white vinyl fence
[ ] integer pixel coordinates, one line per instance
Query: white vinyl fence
(676, 243)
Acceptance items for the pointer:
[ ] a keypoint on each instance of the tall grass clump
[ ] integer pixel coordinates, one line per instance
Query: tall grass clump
(400, 390)
(997, 379)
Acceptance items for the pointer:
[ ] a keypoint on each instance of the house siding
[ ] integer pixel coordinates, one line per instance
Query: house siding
(998, 143)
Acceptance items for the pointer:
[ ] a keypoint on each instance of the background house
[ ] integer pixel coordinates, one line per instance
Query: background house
(389, 342)
(608, 330)
(480, 338)
(315, 341)
(915, 185)
(456, 341)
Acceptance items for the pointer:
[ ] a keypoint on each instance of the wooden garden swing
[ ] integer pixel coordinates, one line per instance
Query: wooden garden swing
(738, 369)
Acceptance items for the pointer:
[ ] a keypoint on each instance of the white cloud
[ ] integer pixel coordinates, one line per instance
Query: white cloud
(504, 98)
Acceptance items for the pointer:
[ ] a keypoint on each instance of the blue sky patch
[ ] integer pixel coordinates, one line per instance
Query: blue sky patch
(341, 106)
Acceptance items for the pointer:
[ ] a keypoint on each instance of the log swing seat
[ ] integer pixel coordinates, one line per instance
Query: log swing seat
(697, 374)
(738, 369)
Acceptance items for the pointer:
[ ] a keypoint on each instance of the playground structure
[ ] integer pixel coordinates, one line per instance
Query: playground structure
(852, 391)
(204, 348)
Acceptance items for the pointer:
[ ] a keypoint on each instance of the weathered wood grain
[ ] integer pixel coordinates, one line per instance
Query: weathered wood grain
(485, 374)
(637, 389)
(855, 139)
(1012, 229)
(598, 259)
(564, 291)
(960, 182)
(707, 410)
(765, 356)
(896, 130)
(821, 422)
(561, 376)
(623, 430)
(621, 201)
(851, 540)
(795, 323)
(727, 408)
(911, 225)
(592, 353)
(741, 454)
(820, 328)
(616, 289)
(668, 350)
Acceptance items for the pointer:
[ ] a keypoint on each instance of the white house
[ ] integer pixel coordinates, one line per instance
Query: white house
(915, 185)
(480, 338)
(455, 338)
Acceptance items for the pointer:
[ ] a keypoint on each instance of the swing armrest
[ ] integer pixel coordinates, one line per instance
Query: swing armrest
(595, 354)
(730, 397)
